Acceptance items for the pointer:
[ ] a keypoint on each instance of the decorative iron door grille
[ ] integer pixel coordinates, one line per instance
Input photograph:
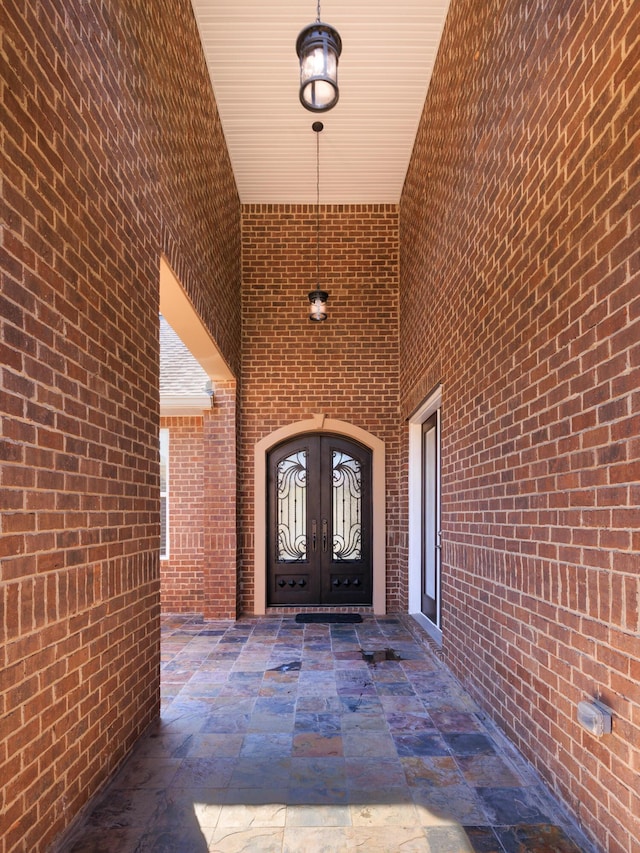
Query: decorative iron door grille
(319, 522)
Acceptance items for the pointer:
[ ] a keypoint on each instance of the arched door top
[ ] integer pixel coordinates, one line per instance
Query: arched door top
(321, 423)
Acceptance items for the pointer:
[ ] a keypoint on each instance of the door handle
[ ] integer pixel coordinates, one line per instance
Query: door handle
(325, 534)
(314, 533)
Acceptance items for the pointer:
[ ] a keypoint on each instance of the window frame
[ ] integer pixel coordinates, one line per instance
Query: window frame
(163, 443)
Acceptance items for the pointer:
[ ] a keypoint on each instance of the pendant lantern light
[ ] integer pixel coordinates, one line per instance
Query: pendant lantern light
(318, 309)
(318, 47)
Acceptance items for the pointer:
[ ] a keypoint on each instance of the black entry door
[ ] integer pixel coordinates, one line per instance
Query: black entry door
(319, 522)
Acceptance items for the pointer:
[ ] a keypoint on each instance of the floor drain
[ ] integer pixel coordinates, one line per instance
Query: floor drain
(379, 656)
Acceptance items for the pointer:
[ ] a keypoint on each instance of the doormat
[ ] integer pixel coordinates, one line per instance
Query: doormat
(330, 618)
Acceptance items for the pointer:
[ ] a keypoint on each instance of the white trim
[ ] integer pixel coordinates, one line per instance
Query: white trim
(320, 423)
(431, 404)
(174, 405)
(180, 314)
(427, 625)
(164, 439)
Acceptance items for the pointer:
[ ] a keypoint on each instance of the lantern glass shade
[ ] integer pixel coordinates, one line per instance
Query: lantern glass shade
(318, 305)
(318, 47)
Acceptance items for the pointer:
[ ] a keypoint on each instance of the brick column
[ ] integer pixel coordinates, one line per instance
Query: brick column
(220, 577)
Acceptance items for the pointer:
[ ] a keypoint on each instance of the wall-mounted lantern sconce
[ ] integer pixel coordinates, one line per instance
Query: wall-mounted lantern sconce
(318, 47)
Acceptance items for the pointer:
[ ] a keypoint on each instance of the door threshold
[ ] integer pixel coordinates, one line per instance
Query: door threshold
(292, 610)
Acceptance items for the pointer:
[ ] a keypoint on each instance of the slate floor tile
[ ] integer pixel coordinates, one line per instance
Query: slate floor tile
(403, 704)
(320, 704)
(469, 744)
(204, 773)
(411, 724)
(449, 804)
(122, 839)
(363, 774)
(448, 839)
(389, 839)
(424, 743)
(235, 840)
(313, 839)
(483, 839)
(225, 723)
(318, 774)
(511, 806)
(270, 722)
(317, 722)
(369, 744)
(126, 808)
(317, 744)
(374, 811)
(395, 688)
(272, 744)
(243, 815)
(477, 769)
(541, 838)
(278, 737)
(454, 721)
(140, 773)
(201, 745)
(436, 770)
(318, 815)
(261, 773)
(363, 722)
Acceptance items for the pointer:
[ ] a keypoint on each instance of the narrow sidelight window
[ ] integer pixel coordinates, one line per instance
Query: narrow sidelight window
(164, 493)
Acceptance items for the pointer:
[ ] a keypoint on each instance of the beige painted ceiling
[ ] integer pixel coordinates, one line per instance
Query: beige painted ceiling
(388, 52)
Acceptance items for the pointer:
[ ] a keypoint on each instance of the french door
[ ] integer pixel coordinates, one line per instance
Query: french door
(319, 522)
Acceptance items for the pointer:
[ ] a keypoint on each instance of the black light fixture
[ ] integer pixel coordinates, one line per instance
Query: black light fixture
(318, 47)
(318, 298)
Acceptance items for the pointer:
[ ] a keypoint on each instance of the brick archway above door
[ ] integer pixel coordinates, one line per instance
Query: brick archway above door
(319, 424)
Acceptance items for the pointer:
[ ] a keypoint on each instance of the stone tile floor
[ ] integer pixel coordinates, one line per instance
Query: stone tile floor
(282, 737)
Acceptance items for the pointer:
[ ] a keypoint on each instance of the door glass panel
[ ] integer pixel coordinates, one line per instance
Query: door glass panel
(347, 507)
(430, 510)
(431, 520)
(291, 499)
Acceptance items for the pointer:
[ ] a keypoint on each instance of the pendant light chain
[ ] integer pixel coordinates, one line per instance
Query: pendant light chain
(318, 298)
(318, 206)
(318, 18)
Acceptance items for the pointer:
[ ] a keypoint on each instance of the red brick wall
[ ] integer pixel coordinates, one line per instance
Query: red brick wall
(98, 178)
(519, 220)
(181, 575)
(346, 367)
(200, 575)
